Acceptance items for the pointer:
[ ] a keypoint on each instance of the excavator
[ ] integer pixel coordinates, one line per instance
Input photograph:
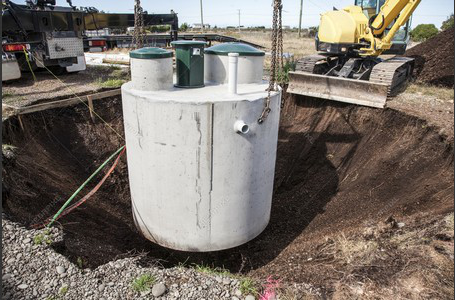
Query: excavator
(357, 58)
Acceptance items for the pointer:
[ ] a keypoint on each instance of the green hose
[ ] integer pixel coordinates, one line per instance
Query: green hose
(82, 186)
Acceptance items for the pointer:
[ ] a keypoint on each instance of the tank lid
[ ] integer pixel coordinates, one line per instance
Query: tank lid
(240, 48)
(188, 43)
(150, 53)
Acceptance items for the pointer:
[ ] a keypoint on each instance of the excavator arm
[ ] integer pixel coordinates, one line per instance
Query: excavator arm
(394, 13)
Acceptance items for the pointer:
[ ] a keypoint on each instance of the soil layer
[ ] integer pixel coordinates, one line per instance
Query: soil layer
(340, 169)
(435, 59)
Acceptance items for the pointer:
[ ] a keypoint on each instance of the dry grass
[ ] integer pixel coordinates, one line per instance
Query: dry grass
(360, 252)
(441, 93)
(414, 262)
(291, 42)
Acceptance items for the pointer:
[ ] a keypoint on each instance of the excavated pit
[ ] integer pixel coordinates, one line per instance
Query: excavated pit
(339, 167)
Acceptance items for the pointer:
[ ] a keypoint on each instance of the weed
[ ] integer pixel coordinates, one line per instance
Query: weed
(80, 262)
(213, 271)
(8, 95)
(63, 290)
(38, 240)
(283, 74)
(248, 287)
(6, 147)
(111, 83)
(105, 68)
(42, 238)
(143, 283)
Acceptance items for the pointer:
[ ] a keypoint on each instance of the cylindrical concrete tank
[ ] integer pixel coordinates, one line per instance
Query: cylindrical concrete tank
(151, 69)
(201, 167)
(251, 61)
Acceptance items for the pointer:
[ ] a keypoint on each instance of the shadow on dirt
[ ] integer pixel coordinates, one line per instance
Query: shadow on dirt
(59, 149)
(55, 154)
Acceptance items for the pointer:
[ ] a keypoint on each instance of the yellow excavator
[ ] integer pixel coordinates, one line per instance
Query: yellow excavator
(348, 66)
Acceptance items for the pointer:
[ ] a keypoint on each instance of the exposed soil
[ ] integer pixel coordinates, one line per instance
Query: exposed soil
(435, 59)
(27, 91)
(341, 169)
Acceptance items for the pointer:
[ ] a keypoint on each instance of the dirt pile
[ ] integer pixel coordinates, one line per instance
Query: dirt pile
(340, 169)
(435, 59)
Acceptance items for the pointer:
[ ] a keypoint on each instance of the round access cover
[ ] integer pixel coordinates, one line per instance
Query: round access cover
(150, 53)
(240, 48)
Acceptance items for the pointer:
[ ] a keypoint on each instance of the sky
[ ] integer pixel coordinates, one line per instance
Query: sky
(256, 12)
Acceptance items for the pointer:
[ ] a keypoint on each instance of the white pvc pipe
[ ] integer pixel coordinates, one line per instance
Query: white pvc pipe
(233, 72)
(241, 127)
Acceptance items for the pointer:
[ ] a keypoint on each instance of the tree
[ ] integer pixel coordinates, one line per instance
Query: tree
(447, 23)
(423, 32)
(184, 27)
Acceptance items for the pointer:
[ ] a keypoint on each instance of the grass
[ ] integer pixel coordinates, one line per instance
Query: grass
(111, 83)
(449, 220)
(212, 271)
(111, 76)
(355, 250)
(432, 91)
(63, 290)
(248, 287)
(42, 238)
(143, 283)
(7, 95)
(115, 62)
(80, 262)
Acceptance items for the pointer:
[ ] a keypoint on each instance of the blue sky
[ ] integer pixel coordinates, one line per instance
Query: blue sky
(257, 12)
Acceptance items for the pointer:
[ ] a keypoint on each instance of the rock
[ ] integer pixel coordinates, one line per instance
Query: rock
(401, 225)
(226, 281)
(238, 293)
(10, 261)
(6, 277)
(235, 298)
(250, 297)
(158, 290)
(9, 227)
(27, 240)
(101, 287)
(60, 270)
(22, 286)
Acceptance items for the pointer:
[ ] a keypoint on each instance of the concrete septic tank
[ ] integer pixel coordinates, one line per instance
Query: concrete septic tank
(144, 65)
(201, 167)
(251, 61)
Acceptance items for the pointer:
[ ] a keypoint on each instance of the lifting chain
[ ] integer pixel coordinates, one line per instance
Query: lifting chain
(277, 56)
(139, 32)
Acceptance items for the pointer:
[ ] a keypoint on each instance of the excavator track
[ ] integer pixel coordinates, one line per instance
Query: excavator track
(393, 72)
(308, 63)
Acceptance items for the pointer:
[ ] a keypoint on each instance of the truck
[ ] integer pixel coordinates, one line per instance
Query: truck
(40, 34)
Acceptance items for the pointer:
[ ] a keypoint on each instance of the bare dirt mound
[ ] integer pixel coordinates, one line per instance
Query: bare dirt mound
(340, 169)
(435, 59)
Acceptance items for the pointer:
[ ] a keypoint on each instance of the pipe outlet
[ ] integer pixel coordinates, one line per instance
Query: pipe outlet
(241, 127)
(233, 72)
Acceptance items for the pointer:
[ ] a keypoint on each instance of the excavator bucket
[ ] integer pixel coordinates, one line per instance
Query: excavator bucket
(352, 91)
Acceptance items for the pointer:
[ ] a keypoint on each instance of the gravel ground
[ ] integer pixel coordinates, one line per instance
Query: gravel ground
(35, 271)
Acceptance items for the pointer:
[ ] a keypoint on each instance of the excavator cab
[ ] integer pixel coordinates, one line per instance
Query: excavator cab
(371, 9)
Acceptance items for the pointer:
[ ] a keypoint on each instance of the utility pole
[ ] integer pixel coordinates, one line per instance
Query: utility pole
(300, 21)
(202, 18)
(239, 21)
